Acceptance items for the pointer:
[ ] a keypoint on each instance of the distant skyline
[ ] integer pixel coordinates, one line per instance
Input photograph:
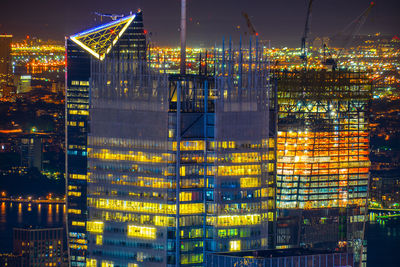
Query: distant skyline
(281, 21)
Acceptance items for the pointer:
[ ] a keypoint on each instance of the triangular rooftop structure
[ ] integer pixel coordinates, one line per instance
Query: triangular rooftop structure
(98, 41)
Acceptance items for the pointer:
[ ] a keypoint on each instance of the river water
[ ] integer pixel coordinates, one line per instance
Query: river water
(383, 239)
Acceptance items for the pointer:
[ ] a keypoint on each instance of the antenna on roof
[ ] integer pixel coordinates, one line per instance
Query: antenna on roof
(183, 37)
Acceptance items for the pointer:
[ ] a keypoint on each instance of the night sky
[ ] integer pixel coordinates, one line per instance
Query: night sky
(281, 21)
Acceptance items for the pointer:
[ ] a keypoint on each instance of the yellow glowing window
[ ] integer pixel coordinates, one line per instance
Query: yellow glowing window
(192, 208)
(78, 176)
(133, 265)
(134, 206)
(246, 182)
(107, 264)
(190, 145)
(91, 262)
(270, 216)
(183, 171)
(233, 220)
(239, 170)
(78, 112)
(267, 192)
(74, 194)
(164, 221)
(234, 245)
(99, 240)
(95, 227)
(74, 246)
(142, 232)
(76, 223)
(185, 196)
(74, 211)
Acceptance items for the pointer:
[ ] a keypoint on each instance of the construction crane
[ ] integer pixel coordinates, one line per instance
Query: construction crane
(356, 24)
(252, 30)
(112, 16)
(330, 62)
(304, 55)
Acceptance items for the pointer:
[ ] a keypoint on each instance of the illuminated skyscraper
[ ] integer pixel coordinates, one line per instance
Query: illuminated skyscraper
(165, 181)
(179, 165)
(322, 159)
(123, 38)
(5, 64)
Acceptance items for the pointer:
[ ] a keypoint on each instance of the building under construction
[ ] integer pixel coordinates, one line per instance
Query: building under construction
(322, 158)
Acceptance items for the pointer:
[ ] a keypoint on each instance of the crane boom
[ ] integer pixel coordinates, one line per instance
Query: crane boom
(358, 23)
(303, 55)
(252, 30)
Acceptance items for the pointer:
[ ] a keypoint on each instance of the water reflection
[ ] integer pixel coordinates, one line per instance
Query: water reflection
(57, 213)
(50, 214)
(20, 213)
(40, 214)
(64, 213)
(3, 213)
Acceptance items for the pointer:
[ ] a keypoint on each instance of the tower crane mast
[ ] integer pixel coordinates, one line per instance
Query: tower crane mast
(304, 55)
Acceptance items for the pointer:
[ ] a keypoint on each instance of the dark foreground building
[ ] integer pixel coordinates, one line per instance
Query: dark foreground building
(39, 247)
(6, 77)
(10, 260)
(281, 258)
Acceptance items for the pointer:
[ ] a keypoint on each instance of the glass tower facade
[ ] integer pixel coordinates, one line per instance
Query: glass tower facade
(125, 39)
(77, 111)
(179, 165)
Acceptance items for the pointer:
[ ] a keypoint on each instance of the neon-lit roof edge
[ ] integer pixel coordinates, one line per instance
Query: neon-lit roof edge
(103, 26)
(91, 51)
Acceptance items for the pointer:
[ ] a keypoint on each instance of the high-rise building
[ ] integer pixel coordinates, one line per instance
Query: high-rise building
(124, 38)
(171, 167)
(5, 64)
(39, 247)
(181, 165)
(23, 83)
(323, 159)
(32, 151)
(176, 166)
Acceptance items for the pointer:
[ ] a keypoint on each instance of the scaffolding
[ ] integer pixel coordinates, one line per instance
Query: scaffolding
(323, 155)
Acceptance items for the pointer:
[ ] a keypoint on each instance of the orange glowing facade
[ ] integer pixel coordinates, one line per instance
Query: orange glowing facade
(322, 158)
(323, 144)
